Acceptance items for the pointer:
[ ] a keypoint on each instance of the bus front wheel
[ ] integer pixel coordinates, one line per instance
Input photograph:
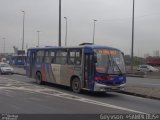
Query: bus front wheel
(38, 78)
(76, 85)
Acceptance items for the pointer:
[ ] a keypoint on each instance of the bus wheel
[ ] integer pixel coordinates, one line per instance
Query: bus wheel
(76, 85)
(38, 78)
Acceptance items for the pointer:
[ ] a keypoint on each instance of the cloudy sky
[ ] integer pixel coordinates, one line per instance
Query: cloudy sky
(113, 27)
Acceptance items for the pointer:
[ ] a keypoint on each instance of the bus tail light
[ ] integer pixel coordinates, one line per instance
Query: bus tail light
(103, 78)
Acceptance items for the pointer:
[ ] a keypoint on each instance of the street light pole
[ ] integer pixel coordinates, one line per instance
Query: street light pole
(132, 46)
(59, 22)
(66, 32)
(94, 21)
(23, 30)
(4, 45)
(38, 38)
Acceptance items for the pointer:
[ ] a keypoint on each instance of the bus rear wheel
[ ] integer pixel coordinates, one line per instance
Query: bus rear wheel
(39, 78)
(76, 85)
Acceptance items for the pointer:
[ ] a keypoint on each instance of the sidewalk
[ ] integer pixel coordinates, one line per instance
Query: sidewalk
(146, 92)
(129, 89)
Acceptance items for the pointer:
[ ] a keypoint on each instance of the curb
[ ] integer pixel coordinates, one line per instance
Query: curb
(134, 75)
(138, 95)
(140, 76)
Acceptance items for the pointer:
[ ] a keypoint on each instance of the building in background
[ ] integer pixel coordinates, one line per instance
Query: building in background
(156, 53)
(146, 55)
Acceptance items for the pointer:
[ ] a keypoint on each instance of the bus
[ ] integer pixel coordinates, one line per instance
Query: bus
(17, 59)
(86, 67)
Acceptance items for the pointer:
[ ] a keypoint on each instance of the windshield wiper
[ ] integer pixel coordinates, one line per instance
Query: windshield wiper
(116, 65)
(108, 65)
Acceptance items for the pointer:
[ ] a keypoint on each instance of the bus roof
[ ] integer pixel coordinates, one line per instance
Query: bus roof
(81, 46)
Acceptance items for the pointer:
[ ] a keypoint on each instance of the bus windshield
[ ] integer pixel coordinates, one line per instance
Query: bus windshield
(109, 61)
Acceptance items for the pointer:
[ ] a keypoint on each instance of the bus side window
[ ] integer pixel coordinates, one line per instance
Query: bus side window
(71, 58)
(71, 61)
(52, 57)
(52, 60)
(40, 56)
(77, 61)
(74, 57)
(49, 57)
(78, 58)
(61, 57)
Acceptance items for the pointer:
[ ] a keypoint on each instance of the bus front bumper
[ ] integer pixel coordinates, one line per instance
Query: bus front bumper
(105, 88)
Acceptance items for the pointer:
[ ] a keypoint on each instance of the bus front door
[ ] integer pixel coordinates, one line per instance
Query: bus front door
(88, 70)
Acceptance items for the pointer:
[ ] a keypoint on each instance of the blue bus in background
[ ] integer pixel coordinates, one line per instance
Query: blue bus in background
(88, 67)
(17, 59)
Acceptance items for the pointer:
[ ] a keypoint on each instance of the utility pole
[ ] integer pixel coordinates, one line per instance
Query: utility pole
(38, 38)
(59, 22)
(4, 45)
(66, 32)
(132, 45)
(23, 30)
(94, 27)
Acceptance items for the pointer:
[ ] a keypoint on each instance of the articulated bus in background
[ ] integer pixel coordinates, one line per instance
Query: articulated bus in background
(88, 67)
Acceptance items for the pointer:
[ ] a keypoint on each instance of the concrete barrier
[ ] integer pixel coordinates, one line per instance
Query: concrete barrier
(137, 74)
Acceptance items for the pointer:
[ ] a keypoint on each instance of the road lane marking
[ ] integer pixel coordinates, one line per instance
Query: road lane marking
(42, 90)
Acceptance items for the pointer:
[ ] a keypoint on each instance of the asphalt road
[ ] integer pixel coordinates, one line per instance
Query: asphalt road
(19, 94)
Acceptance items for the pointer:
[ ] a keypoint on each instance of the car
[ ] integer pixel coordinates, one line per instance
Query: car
(5, 68)
(147, 68)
